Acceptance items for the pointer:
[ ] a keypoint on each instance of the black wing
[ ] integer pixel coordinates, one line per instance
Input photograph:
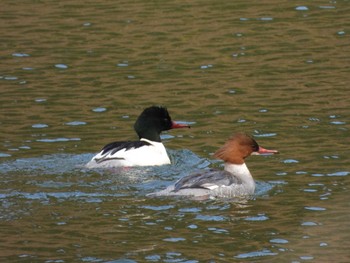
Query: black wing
(114, 147)
(208, 179)
(107, 152)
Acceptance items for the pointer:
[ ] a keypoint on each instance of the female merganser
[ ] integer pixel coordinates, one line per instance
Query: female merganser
(234, 181)
(149, 150)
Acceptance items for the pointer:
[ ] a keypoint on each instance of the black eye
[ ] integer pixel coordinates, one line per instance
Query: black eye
(255, 146)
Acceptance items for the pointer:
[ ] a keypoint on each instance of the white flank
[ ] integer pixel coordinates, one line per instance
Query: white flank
(148, 155)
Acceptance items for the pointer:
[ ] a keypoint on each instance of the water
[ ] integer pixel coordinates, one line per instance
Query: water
(74, 76)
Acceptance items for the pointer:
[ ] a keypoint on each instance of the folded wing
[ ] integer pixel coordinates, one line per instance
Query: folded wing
(211, 179)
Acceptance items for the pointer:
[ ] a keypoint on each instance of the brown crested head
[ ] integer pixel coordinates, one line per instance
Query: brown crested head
(237, 148)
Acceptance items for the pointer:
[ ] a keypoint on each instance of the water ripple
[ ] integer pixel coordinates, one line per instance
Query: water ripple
(210, 218)
(340, 173)
(302, 8)
(61, 66)
(61, 139)
(158, 208)
(279, 241)
(261, 253)
(260, 217)
(20, 55)
(75, 123)
(40, 126)
(99, 109)
(315, 208)
(174, 239)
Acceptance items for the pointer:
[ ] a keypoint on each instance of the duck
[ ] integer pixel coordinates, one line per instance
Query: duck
(147, 151)
(232, 182)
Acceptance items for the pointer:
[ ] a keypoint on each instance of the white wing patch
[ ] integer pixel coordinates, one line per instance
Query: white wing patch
(210, 186)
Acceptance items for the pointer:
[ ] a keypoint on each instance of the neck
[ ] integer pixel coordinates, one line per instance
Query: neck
(242, 172)
(150, 135)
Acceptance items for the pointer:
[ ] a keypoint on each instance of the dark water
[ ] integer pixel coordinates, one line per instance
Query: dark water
(74, 76)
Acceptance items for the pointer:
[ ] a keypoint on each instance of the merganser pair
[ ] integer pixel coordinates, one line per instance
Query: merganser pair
(148, 151)
(235, 180)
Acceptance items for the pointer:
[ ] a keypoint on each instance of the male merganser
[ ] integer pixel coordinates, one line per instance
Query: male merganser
(148, 151)
(234, 181)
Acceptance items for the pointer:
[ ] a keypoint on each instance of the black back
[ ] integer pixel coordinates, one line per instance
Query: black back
(114, 147)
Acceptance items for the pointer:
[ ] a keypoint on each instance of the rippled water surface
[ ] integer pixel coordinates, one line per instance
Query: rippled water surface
(75, 75)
